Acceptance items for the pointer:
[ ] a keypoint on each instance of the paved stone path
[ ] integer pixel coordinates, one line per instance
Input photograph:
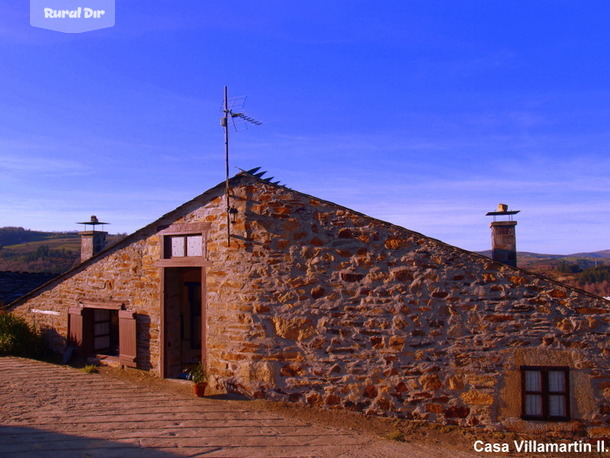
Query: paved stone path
(55, 411)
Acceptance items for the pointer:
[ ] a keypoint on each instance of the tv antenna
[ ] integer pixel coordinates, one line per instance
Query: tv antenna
(232, 111)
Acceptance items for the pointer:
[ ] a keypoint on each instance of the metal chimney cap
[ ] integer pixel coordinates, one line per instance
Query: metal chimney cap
(94, 221)
(502, 210)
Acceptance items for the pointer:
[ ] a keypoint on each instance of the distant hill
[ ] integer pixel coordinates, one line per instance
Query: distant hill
(18, 235)
(588, 271)
(24, 250)
(605, 254)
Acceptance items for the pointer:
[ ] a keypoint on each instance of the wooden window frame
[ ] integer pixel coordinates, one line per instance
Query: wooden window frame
(545, 393)
(81, 332)
(183, 230)
(109, 334)
(168, 245)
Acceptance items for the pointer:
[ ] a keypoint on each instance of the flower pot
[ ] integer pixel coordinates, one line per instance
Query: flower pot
(199, 389)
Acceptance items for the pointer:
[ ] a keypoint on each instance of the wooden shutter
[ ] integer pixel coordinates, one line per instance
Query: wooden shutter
(75, 327)
(127, 338)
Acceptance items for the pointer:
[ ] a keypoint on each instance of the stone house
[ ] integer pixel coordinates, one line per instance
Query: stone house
(311, 302)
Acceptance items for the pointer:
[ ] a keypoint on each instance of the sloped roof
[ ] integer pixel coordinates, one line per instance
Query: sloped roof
(13, 285)
(164, 220)
(219, 190)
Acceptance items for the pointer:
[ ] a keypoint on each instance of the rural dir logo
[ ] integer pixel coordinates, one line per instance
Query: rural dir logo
(72, 16)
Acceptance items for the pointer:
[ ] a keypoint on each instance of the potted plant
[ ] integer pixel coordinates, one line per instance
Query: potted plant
(199, 377)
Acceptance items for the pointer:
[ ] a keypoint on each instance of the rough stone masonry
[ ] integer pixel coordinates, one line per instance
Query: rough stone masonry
(318, 304)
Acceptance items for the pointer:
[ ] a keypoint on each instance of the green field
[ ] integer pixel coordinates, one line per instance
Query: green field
(23, 250)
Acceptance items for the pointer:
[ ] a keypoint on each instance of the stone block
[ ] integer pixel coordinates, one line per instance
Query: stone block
(591, 310)
(456, 382)
(313, 399)
(292, 370)
(318, 292)
(370, 391)
(489, 278)
(498, 318)
(601, 432)
(566, 326)
(395, 243)
(351, 277)
(346, 233)
(557, 294)
(396, 343)
(482, 381)
(332, 400)
(518, 280)
(295, 328)
(402, 275)
(430, 382)
(260, 308)
(478, 398)
(434, 408)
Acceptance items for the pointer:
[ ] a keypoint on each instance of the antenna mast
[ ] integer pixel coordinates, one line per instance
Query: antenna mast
(225, 124)
(224, 121)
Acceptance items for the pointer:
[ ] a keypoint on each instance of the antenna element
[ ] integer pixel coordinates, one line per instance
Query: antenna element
(224, 122)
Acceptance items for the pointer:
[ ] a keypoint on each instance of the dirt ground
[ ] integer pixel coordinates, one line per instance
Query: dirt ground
(50, 410)
(417, 432)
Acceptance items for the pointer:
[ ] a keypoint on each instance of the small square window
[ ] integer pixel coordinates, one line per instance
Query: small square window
(179, 246)
(545, 393)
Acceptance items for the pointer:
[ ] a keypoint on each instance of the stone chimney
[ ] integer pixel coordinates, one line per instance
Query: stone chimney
(503, 238)
(92, 241)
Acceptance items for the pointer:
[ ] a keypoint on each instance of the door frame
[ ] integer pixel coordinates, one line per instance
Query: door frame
(204, 320)
(167, 262)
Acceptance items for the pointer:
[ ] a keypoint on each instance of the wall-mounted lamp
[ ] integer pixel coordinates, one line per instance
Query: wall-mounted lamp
(232, 215)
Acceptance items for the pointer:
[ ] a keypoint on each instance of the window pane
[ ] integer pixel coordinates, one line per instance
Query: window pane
(177, 246)
(533, 381)
(101, 315)
(102, 328)
(102, 343)
(533, 405)
(193, 245)
(557, 382)
(557, 406)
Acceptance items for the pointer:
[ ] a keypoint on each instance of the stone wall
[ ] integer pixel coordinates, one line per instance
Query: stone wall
(318, 304)
(125, 275)
(315, 303)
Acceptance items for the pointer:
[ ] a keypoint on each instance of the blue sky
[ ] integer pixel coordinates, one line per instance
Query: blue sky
(426, 114)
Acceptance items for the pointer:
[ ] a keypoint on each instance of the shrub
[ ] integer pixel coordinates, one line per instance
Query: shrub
(18, 338)
(90, 369)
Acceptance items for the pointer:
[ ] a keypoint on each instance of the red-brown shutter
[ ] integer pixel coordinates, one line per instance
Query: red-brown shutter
(75, 326)
(127, 338)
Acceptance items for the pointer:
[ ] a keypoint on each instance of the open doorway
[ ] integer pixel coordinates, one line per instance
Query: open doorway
(182, 319)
